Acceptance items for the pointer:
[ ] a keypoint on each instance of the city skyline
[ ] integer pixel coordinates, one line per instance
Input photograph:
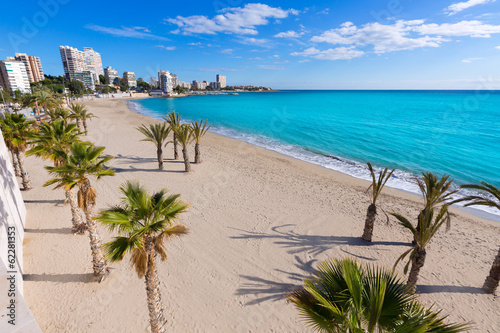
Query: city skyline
(366, 45)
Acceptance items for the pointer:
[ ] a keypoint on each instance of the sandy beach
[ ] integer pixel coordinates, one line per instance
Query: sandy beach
(259, 221)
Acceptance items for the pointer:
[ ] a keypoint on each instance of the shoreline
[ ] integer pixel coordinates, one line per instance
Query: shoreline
(260, 222)
(475, 211)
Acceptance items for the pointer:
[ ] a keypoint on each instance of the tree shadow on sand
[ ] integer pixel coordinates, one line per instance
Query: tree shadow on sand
(63, 231)
(313, 244)
(56, 202)
(60, 278)
(430, 289)
(268, 290)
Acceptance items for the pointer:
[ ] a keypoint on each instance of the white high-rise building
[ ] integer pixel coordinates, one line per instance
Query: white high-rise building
(32, 64)
(129, 79)
(93, 63)
(221, 80)
(111, 75)
(13, 76)
(166, 81)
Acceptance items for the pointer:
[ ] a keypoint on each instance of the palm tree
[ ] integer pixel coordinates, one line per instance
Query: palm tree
(435, 192)
(199, 129)
(428, 225)
(17, 130)
(346, 297)
(8, 137)
(81, 114)
(144, 222)
(491, 282)
(59, 113)
(50, 138)
(83, 161)
(376, 187)
(156, 134)
(185, 137)
(174, 121)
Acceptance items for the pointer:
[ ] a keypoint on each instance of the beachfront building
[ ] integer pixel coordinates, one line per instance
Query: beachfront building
(221, 80)
(32, 64)
(73, 60)
(200, 85)
(13, 76)
(129, 79)
(166, 81)
(93, 63)
(87, 77)
(215, 85)
(153, 82)
(111, 75)
(183, 84)
(76, 61)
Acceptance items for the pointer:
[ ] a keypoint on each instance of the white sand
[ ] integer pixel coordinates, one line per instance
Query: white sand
(259, 221)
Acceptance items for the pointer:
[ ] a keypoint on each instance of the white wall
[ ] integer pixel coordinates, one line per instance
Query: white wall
(12, 218)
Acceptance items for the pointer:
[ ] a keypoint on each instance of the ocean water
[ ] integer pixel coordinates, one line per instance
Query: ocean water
(446, 132)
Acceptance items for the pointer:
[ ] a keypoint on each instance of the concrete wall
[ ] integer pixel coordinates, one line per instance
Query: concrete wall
(12, 223)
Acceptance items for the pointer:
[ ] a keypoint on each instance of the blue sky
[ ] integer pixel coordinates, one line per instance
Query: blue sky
(343, 44)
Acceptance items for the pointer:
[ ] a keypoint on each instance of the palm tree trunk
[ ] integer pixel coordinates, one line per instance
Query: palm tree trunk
(155, 307)
(99, 264)
(371, 214)
(159, 154)
(491, 283)
(79, 226)
(187, 166)
(85, 126)
(79, 124)
(176, 153)
(15, 164)
(416, 264)
(24, 175)
(197, 153)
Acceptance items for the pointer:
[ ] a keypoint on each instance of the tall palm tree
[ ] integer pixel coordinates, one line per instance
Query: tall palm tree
(17, 131)
(491, 282)
(44, 99)
(185, 137)
(50, 138)
(435, 192)
(174, 121)
(157, 134)
(376, 187)
(81, 114)
(144, 222)
(199, 129)
(428, 225)
(59, 113)
(8, 137)
(83, 161)
(343, 296)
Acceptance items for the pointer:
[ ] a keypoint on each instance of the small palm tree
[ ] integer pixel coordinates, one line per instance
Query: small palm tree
(144, 222)
(428, 226)
(491, 283)
(83, 161)
(81, 114)
(174, 121)
(185, 137)
(435, 192)
(157, 134)
(59, 113)
(17, 130)
(376, 187)
(199, 129)
(51, 137)
(346, 297)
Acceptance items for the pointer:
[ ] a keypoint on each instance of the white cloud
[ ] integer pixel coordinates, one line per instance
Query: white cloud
(271, 67)
(339, 53)
(462, 28)
(168, 48)
(195, 44)
(134, 32)
(254, 41)
(468, 60)
(324, 11)
(403, 35)
(289, 34)
(238, 20)
(227, 51)
(497, 47)
(458, 7)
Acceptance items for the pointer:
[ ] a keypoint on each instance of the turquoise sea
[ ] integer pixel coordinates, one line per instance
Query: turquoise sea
(446, 132)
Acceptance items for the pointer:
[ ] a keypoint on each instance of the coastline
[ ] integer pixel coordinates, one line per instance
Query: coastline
(259, 222)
